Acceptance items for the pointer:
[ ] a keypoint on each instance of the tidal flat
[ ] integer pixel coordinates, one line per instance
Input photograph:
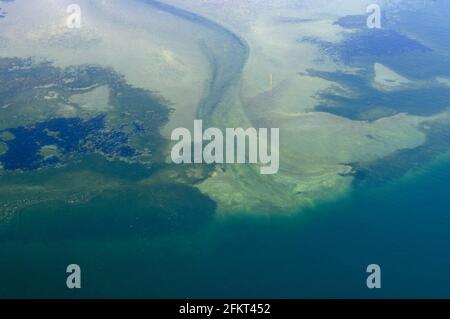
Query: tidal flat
(317, 101)
(329, 109)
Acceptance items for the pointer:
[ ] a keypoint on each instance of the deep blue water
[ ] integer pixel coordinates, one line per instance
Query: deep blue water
(68, 134)
(24, 150)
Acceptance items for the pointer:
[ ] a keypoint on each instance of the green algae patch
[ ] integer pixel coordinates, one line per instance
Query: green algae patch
(7, 136)
(3, 148)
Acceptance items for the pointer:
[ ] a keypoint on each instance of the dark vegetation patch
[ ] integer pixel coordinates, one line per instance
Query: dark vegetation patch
(129, 130)
(399, 163)
(361, 101)
(129, 212)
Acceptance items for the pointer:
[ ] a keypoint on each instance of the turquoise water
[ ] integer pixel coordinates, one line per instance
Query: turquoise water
(322, 252)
